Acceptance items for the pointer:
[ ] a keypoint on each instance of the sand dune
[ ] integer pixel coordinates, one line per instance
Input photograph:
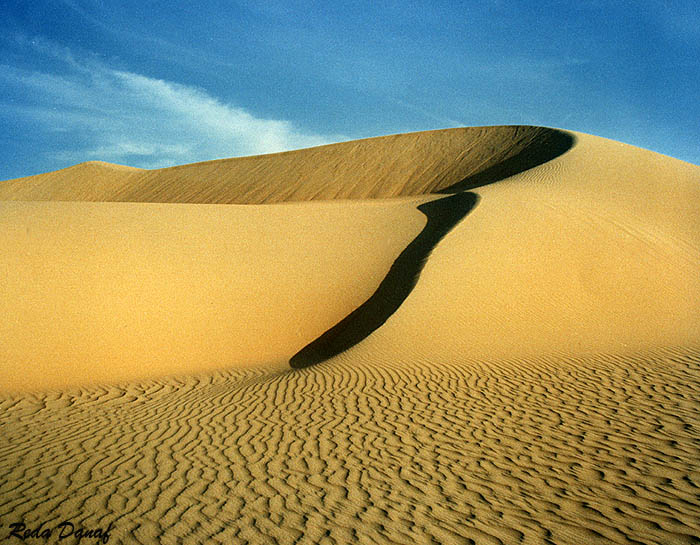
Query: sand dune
(498, 328)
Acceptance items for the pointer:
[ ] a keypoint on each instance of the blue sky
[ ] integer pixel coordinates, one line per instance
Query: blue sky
(158, 83)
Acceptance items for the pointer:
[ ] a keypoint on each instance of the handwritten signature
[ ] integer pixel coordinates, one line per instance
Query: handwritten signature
(62, 531)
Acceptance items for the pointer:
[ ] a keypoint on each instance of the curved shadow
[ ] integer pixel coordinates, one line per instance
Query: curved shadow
(443, 214)
(550, 145)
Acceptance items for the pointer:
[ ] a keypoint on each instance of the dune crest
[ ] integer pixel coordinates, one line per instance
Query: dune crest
(382, 167)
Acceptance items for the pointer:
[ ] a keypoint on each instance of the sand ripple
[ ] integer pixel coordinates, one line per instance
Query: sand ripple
(595, 450)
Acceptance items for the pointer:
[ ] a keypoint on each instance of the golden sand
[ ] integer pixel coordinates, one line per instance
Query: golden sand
(535, 381)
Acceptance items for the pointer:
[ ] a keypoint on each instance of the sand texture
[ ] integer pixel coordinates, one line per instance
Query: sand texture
(480, 335)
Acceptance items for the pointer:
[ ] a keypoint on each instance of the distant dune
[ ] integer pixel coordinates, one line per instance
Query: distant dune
(389, 166)
(478, 335)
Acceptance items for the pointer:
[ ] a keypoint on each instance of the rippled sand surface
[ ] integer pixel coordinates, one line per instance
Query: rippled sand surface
(533, 376)
(602, 449)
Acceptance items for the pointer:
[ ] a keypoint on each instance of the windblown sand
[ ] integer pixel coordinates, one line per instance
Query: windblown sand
(536, 381)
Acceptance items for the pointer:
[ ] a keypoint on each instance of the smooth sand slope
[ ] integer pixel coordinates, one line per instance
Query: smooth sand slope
(495, 335)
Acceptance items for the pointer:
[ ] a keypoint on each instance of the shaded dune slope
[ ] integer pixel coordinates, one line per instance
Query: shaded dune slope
(389, 166)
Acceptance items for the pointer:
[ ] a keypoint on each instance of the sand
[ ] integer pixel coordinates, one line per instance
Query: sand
(495, 333)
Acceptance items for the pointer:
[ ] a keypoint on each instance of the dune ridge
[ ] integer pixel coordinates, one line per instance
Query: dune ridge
(528, 372)
(382, 167)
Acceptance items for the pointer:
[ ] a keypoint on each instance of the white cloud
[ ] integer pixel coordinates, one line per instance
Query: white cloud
(137, 120)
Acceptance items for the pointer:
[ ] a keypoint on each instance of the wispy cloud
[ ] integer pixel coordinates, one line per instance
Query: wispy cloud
(124, 117)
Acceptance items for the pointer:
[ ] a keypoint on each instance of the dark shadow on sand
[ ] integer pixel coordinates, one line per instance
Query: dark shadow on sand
(443, 214)
(550, 145)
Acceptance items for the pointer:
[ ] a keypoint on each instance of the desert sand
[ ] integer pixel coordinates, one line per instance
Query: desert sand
(477, 335)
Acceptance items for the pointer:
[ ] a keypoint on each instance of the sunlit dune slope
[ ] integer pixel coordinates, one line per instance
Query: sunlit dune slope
(596, 251)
